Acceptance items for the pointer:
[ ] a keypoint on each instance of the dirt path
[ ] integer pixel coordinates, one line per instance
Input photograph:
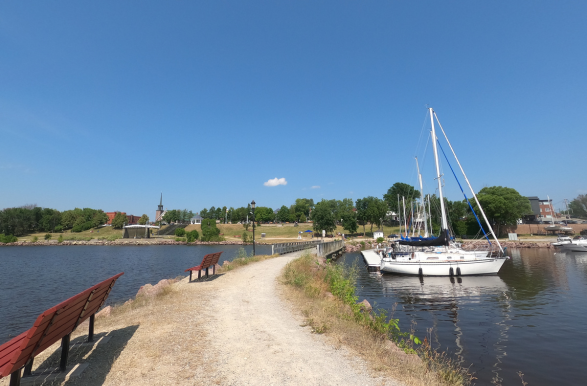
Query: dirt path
(259, 340)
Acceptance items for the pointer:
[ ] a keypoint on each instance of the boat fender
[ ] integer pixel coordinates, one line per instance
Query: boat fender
(420, 273)
(413, 254)
(458, 271)
(451, 272)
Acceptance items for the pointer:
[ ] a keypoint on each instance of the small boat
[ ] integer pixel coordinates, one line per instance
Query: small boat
(562, 240)
(578, 244)
(440, 256)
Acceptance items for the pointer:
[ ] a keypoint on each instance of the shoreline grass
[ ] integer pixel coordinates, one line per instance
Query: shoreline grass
(325, 295)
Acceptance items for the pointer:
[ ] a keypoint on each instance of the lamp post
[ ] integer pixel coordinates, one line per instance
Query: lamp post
(253, 207)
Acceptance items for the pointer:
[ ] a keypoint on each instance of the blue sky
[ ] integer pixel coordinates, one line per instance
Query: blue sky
(108, 104)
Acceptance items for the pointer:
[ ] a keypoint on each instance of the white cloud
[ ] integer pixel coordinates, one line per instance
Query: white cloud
(275, 181)
(315, 187)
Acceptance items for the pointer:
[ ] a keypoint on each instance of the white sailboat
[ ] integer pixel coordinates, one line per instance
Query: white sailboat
(440, 257)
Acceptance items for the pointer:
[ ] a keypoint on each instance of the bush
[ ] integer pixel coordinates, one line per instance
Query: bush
(180, 232)
(180, 239)
(8, 239)
(48, 236)
(210, 231)
(192, 236)
(35, 239)
(245, 237)
(58, 229)
(60, 239)
(380, 240)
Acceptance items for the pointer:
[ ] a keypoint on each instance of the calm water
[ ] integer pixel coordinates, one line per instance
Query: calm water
(530, 318)
(33, 279)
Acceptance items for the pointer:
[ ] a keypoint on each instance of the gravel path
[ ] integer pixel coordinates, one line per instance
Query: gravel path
(259, 340)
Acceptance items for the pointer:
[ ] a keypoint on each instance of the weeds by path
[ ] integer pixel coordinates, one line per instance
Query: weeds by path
(325, 294)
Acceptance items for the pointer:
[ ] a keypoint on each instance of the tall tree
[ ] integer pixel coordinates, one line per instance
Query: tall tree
(376, 210)
(578, 207)
(402, 190)
(283, 214)
(503, 205)
(323, 217)
(118, 221)
(144, 219)
(362, 205)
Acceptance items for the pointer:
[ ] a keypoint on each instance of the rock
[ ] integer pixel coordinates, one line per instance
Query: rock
(329, 295)
(366, 306)
(226, 263)
(106, 311)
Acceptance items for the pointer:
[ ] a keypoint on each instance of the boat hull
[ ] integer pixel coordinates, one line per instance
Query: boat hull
(488, 266)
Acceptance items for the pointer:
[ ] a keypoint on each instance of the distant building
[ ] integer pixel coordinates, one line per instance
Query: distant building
(159, 212)
(542, 210)
(130, 219)
(197, 219)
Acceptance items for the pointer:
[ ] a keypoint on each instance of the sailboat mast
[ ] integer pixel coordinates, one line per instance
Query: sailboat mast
(405, 223)
(551, 210)
(470, 187)
(422, 202)
(429, 215)
(399, 216)
(442, 210)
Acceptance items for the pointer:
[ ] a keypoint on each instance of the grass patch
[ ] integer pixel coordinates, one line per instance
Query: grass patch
(243, 259)
(325, 294)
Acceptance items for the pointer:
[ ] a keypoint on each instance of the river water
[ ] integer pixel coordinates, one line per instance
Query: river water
(528, 318)
(33, 279)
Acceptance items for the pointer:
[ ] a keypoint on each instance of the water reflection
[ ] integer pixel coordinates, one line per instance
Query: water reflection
(528, 318)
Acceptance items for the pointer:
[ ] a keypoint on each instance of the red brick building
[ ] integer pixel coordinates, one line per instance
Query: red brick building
(130, 219)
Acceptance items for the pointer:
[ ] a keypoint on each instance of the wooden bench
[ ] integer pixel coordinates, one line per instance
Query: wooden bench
(209, 260)
(56, 323)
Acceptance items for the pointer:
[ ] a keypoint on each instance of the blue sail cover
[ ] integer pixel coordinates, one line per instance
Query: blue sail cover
(443, 239)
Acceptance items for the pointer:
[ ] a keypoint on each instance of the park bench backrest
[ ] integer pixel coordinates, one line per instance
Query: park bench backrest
(216, 257)
(54, 324)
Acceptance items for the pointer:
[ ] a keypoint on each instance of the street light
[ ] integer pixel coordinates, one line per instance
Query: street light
(253, 206)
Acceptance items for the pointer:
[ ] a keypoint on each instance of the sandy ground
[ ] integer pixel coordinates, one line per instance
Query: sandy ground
(260, 341)
(233, 329)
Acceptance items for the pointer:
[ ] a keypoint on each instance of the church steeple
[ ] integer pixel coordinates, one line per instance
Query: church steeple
(161, 203)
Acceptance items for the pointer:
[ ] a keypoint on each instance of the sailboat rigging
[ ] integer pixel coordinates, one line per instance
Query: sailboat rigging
(440, 256)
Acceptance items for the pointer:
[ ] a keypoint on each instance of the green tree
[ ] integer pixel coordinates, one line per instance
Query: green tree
(362, 205)
(180, 232)
(403, 190)
(118, 221)
(303, 218)
(283, 214)
(349, 222)
(204, 213)
(503, 205)
(144, 219)
(578, 207)
(323, 217)
(376, 210)
(303, 206)
(263, 214)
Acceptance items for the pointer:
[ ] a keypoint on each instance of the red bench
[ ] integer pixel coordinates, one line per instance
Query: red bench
(210, 260)
(56, 323)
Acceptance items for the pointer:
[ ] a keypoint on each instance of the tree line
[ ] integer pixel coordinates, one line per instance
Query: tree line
(31, 218)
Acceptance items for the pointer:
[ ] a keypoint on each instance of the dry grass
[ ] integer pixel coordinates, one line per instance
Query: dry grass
(306, 286)
(153, 341)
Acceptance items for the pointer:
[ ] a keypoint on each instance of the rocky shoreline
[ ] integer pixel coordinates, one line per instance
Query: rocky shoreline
(120, 242)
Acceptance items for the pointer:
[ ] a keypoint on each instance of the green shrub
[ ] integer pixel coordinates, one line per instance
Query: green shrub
(180, 232)
(58, 229)
(35, 239)
(192, 236)
(245, 237)
(8, 239)
(210, 231)
(48, 236)
(60, 239)
(380, 239)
